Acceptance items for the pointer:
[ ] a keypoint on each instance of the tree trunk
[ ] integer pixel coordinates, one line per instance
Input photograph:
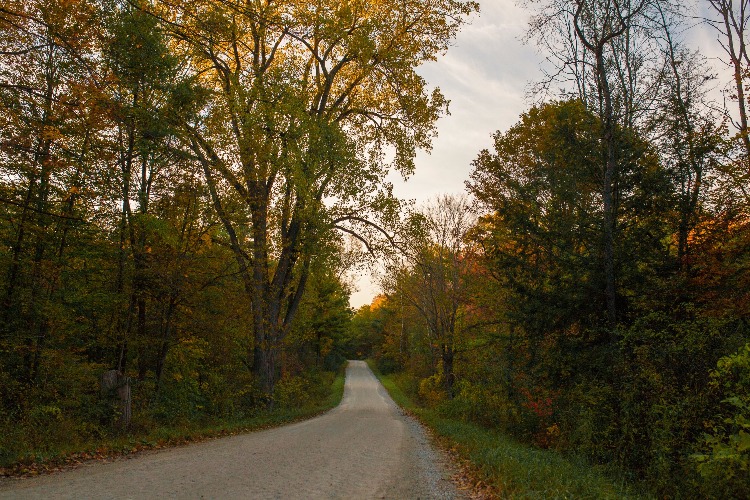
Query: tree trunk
(15, 265)
(166, 339)
(736, 57)
(448, 375)
(263, 328)
(597, 45)
(610, 168)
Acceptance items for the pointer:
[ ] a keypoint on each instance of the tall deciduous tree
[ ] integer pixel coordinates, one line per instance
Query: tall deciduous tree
(731, 21)
(611, 55)
(689, 134)
(47, 129)
(541, 188)
(306, 99)
(433, 277)
(143, 77)
(541, 237)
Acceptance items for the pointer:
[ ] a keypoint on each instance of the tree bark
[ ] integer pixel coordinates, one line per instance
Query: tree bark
(449, 377)
(597, 45)
(737, 55)
(610, 168)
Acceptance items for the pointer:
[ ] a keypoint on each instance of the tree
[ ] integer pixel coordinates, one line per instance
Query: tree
(47, 137)
(541, 235)
(433, 278)
(144, 80)
(730, 20)
(731, 24)
(304, 101)
(320, 333)
(542, 232)
(689, 136)
(613, 58)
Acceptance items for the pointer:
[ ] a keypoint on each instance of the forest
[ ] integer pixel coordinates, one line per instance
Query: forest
(185, 186)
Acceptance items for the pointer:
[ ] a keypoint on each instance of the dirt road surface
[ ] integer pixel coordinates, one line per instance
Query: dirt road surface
(364, 448)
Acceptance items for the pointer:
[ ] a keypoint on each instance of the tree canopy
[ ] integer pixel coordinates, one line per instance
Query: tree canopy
(184, 185)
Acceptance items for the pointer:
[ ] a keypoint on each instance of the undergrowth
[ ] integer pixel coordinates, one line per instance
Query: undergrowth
(34, 462)
(505, 468)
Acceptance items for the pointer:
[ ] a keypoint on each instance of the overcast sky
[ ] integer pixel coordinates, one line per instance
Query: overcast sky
(485, 75)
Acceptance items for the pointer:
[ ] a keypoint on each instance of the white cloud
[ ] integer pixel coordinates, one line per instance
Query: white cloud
(484, 75)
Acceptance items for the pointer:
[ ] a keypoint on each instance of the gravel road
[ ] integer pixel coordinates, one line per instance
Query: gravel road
(364, 448)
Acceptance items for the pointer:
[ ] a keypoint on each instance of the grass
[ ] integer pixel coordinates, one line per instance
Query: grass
(506, 468)
(34, 463)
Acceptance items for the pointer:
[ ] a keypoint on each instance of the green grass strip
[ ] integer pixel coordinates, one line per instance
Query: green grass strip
(510, 468)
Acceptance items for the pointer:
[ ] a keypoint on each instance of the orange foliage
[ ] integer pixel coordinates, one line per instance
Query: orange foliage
(378, 302)
(721, 260)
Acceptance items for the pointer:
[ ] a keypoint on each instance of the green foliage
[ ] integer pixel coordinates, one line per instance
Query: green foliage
(724, 463)
(182, 396)
(487, 404)
(589, 420)
(364, 333)
(542, 360)
(302, 391)
(157, 436)
(378, 331)
(431, 392)
(387, 365)
(66, 410)
(725, 466)
(320, 336)
(512, 469)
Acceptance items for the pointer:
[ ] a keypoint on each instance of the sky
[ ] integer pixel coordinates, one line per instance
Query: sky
(485, 76)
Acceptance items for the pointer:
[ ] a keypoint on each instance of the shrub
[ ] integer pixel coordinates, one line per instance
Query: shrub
(302, 391)
(488, 405)
(724, 461)
(431, 390)
(387, 365)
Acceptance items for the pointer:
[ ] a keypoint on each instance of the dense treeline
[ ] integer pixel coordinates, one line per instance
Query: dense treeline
(182, 184)
(178, 181)
(599, 303)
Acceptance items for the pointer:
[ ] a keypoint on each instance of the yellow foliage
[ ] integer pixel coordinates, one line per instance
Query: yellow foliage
(378, 302)
(431, 390)
(51, 133)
